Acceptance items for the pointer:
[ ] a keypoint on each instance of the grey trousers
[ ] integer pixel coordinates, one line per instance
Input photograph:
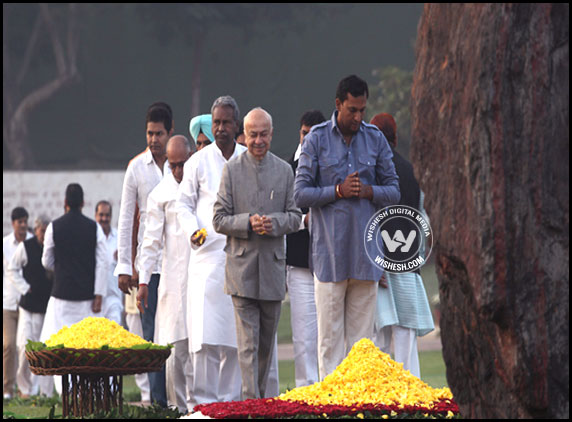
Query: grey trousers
(256, 325)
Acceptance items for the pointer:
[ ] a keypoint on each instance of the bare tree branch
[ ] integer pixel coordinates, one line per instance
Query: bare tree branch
(30, 49)
(72, 38)
(56, 43)
(39, 95)
(17, 110)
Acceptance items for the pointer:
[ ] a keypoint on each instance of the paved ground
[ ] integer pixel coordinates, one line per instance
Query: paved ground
(429, 342)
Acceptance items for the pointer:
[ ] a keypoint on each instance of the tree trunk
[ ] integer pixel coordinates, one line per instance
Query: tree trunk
(490, 146)
(18, 107)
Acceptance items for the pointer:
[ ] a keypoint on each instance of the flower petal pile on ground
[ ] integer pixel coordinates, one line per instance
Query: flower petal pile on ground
(94, 333)
(369, 376)
(367, 382)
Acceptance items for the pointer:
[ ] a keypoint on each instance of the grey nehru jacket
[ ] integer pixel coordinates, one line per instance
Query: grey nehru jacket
(256, 264)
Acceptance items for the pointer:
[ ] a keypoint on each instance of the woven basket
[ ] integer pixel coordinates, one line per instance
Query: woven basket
(92, 361)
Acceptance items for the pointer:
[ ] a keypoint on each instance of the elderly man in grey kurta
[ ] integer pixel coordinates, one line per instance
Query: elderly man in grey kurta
(255, 209)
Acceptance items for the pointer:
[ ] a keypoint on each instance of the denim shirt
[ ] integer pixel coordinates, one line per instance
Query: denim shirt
(337, 227)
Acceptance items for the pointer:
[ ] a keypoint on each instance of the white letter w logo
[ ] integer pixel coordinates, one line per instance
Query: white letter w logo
(398, 240)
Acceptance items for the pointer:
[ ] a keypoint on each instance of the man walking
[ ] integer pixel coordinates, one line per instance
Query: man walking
(163, 232)
(255, 209)
(300, 281)
(211, 316)
(143, 173)
(345, 174)
(74, 248)
(34, 283)
(11, 297)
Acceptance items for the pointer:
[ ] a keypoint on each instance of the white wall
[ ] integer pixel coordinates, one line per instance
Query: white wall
(43, 192)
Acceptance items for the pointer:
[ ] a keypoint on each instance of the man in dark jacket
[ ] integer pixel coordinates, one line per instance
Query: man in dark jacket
(74, 248)
(34, 283)
(300, 281)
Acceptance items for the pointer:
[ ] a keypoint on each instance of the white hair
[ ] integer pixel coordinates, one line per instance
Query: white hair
(227, 101)
(267, 114)
(41, 221)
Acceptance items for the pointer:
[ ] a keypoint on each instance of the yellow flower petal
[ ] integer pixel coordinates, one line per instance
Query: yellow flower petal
(93, 333)
(369, 376)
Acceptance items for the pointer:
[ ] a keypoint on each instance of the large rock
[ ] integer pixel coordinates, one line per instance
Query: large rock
(490, 145)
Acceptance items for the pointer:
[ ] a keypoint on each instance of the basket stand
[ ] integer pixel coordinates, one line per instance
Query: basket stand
(84, 394)
(92, 380)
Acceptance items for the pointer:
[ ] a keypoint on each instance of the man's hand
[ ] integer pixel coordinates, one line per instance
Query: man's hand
(383, 282)
(198, 238)
(124, 282)
(134, 279)
(266, 224)
(96, 304)
(259, 223)
(350, 188)
(306, 220)
(366, 192)
(142, 296)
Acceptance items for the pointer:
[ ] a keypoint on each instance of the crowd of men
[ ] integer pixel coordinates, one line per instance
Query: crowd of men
(211, 234)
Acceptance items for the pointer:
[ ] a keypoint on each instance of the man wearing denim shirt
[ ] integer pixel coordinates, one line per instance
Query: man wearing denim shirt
(345, 174)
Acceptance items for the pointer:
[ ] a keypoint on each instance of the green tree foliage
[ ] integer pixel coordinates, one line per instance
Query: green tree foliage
(391, 94)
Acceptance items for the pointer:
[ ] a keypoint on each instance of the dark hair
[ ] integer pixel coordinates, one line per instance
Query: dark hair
(311, 118)
(103, 202)
(352, 84)
(19, 212)
(160, 113)
(74, 196)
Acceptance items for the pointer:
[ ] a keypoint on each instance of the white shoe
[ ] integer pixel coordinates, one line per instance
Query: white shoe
(7, 396)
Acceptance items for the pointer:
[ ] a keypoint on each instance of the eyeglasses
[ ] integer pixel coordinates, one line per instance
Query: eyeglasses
(173, 166)
(203, 143)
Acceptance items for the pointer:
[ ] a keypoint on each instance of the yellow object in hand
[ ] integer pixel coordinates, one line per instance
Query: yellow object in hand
(202, 236)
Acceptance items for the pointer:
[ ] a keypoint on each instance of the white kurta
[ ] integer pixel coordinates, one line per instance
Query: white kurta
(162, 230)
(11, 295)
(141, 176)
(113, 298)
(211, 315)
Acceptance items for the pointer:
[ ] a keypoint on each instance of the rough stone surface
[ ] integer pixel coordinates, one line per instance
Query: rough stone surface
(490, 146)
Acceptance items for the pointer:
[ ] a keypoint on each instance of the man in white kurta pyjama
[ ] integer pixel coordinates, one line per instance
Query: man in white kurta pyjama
(163, 231)
(211, 317)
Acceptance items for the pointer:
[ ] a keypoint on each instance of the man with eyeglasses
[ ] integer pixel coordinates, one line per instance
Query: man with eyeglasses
(163, 232)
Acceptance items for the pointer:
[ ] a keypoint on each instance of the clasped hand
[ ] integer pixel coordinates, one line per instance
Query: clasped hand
(352, 187)
(261, 224)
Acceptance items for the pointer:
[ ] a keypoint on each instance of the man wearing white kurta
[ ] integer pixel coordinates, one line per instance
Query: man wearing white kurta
(32, 281)
(144, 172)
(162, 230)
(112, 307)
(211, 318)
(75, 249)
(11, 297)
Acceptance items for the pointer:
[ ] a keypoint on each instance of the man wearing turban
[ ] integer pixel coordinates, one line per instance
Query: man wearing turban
(200, 128)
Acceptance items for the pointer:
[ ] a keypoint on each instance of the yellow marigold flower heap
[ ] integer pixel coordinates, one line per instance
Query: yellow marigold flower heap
(93, 333)
(369, 376)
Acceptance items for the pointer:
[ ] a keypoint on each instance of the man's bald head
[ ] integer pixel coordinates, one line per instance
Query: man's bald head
(179, 149)
(180, 141)
(257, 114)
(258, 132)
